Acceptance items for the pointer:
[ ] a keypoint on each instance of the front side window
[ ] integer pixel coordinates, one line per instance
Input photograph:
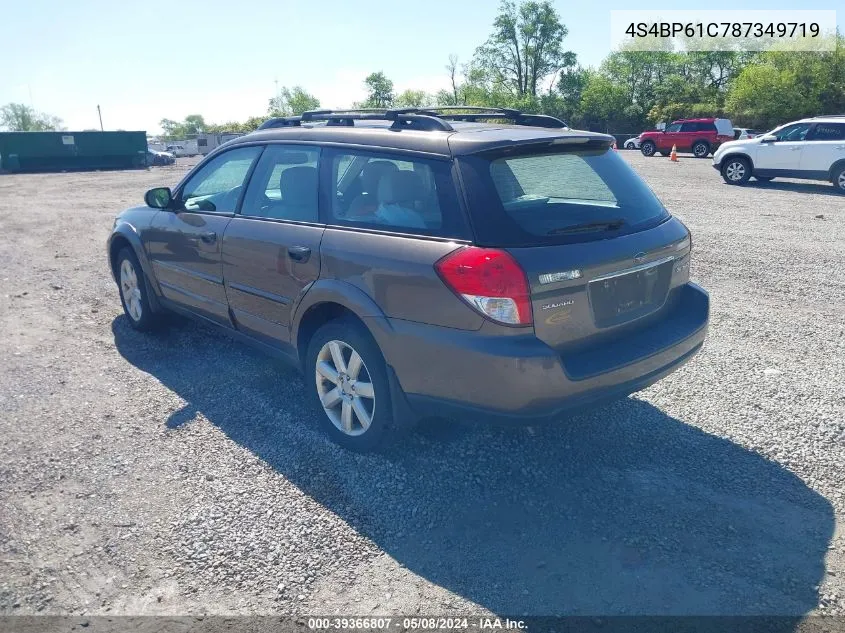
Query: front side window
(405, 194)
(794, 132)
(828, 132)
(218, 184)
(284, 184)
(675, 127)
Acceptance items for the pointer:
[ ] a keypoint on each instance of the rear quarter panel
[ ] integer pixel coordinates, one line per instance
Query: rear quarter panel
(398, 273)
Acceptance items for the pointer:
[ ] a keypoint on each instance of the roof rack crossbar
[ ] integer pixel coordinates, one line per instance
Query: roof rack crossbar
(477, 113)
(401, 117)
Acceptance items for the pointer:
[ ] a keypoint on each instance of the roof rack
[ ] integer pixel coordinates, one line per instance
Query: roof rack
(430, 118)
(403, 118)
(479, 113)
(830, 116)
(280, 121)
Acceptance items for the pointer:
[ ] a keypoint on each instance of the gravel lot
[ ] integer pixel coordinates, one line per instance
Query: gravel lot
(181, 473)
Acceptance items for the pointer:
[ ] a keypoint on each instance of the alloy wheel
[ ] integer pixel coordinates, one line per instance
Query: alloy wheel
(840, 182)
(345, 388)
(735, 171)
(130, 290)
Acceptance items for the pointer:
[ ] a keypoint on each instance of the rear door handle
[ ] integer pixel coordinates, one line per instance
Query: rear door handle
(299, 253)
(209, 238)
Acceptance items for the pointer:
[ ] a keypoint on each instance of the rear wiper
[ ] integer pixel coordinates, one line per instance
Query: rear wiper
(607, 225)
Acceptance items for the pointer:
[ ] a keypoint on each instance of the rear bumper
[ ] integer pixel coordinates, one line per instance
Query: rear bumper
(512, 379)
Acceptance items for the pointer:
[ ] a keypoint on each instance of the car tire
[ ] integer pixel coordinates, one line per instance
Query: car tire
(764, 178)
(700, 149)
(736, 170)
(355, 418)
(648, 148)
(839, 179)
(134, 291)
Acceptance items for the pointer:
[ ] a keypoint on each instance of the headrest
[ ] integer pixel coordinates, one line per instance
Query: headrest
(373, 171)
(400, 186)
(298, 185)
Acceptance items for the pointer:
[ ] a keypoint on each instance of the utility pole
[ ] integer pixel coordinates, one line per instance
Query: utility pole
(100, 114)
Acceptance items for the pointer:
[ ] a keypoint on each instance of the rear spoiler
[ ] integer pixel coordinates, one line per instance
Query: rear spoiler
(594, 142)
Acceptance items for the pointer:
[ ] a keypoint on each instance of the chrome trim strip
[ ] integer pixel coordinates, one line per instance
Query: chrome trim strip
(635, 269)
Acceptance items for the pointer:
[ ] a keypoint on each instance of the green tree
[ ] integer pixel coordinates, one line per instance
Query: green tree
(605, 105)
(18, 117)
(194, 124)
(292, 101)
(780, 86)
(413, 99)
(170, 128)
(379, 91)
(451, 97)
(526, 46)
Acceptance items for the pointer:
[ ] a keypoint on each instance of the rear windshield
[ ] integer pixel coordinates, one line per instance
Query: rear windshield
(559, 197)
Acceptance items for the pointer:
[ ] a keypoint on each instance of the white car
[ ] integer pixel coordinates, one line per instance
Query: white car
(632, 143)
(813, 149)
(742, 133)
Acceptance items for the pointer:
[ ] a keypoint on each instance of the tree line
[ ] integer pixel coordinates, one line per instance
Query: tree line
(525, 65)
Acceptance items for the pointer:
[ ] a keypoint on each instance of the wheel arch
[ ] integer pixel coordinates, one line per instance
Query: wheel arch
(727, 157)
(835, 168)
(330, 299)
(124, 235)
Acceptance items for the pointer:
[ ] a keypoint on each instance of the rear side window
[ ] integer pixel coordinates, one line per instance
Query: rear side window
(828, 132)
(556, 197)
(395, 192)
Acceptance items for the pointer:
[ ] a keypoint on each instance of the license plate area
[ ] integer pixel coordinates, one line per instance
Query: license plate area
(623, 297)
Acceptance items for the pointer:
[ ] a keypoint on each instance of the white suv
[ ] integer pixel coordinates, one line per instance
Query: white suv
(811, 148)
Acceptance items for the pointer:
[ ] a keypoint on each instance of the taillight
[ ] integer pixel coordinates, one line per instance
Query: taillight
(489, 280)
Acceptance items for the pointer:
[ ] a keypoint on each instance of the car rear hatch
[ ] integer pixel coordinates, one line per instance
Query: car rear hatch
(602, 256)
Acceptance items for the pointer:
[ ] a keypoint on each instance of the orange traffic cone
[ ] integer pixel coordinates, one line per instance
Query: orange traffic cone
(674, 155)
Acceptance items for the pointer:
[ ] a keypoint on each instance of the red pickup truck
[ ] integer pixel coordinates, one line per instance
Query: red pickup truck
(699, 136)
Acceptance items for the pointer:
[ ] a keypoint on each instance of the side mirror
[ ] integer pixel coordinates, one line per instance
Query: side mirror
(768, 138)
(159, 198)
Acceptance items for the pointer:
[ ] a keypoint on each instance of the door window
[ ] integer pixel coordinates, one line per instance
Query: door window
(218, 184)
(390, 192)
(284, 184)
(675, 127)
(795, 132)
(828, 132)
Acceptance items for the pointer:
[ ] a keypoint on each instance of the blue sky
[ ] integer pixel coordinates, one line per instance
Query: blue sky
(142, 60)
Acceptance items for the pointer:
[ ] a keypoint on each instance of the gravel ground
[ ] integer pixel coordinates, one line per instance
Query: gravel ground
(181, 473)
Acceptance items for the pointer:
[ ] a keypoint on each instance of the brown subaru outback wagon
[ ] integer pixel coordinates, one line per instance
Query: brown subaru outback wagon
(477, 263)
